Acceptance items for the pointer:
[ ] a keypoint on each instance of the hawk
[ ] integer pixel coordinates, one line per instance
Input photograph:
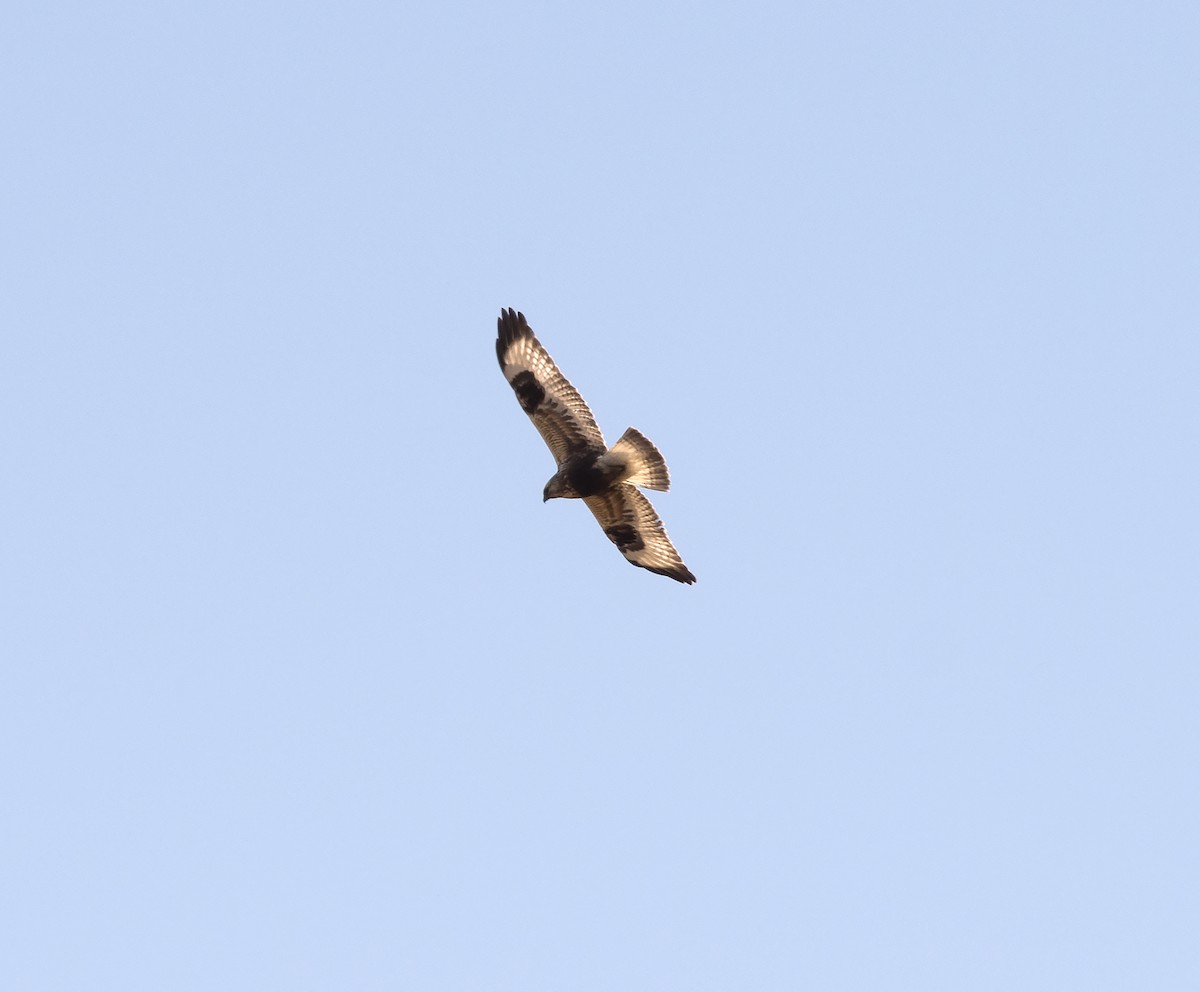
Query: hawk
(604, 478)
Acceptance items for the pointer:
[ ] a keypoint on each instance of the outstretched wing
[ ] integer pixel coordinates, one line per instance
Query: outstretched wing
(553, 404)
(631, 524)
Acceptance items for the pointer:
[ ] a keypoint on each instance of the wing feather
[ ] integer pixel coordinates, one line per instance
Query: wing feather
(629, 521)
(553, 404)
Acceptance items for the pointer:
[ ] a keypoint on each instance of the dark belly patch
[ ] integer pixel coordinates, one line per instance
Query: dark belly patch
(587, 478)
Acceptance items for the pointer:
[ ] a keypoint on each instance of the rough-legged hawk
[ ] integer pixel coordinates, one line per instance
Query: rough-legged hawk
(604, 478)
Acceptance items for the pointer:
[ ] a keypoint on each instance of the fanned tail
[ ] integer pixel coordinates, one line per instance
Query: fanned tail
(646, 465)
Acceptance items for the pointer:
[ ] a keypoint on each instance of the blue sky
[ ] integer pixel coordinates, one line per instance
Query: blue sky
(305, 687)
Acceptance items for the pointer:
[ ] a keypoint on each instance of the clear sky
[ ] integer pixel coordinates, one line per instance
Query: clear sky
(305, 688)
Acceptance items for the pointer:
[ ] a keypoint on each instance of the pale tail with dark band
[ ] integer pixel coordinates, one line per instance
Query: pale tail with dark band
(646, 464)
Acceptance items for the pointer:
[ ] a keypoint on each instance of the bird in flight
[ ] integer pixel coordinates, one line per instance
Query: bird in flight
(605, 478)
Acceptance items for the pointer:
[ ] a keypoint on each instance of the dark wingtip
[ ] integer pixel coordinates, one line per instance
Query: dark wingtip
(680, 573)
(510, 325)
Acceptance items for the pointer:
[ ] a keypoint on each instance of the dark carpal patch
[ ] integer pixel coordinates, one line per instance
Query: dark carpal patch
(529, 393)
(625, 537)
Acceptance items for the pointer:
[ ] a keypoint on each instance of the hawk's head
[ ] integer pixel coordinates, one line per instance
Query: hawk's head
(557, 488)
